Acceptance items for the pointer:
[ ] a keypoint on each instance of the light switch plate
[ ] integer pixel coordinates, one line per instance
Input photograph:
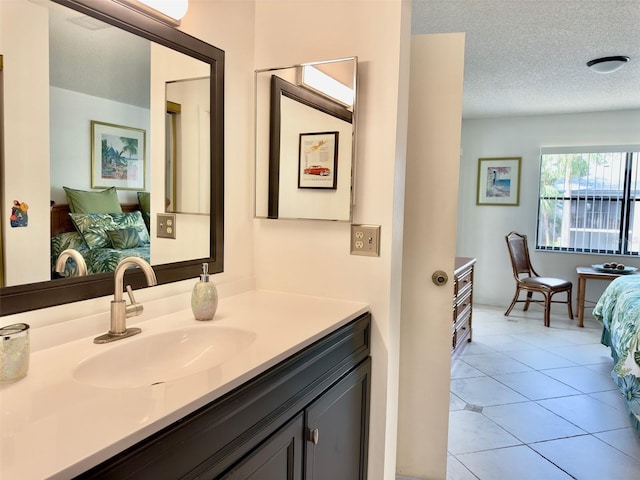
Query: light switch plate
(166, 223)
(365, 240)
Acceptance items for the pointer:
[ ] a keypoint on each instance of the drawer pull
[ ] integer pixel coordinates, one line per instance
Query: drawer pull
(313, 435)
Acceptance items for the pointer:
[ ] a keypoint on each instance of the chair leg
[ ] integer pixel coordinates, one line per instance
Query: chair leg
(547, 310)
(528, 302)
(513, 302)
(569, 304)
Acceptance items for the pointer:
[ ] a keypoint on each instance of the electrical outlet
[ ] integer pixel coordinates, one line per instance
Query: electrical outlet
(365, 240)
(166, 225)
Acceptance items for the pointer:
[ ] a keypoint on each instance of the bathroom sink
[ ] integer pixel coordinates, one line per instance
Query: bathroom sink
(161, 357)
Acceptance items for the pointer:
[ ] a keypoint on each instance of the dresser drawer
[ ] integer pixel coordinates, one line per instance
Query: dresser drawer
(462, 303)
(463, 281)
(462, 317)
(462, 332)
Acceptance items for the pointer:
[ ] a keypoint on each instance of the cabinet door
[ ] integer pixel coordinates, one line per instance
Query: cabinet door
(337, 429)
(278, 458)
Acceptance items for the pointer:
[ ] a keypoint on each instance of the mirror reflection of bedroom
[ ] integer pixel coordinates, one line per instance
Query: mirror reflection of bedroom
(99, 147)
(529, 400)
(105, 183)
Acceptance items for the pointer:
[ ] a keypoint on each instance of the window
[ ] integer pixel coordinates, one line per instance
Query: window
(589, 200)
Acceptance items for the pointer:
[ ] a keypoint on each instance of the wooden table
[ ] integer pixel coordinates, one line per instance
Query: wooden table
(584, 274)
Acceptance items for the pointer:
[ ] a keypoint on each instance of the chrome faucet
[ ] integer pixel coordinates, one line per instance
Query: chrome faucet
(79, 259)
(120, 311)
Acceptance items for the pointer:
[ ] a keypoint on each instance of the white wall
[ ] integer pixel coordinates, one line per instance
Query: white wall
(230, 26)
(70, 120)
(25, 36)
(481, 229)
(193, 124)
(313, 256)
(192, 231)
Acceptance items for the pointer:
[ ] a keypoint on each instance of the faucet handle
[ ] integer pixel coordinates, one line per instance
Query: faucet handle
(130, 293)
(134, 309)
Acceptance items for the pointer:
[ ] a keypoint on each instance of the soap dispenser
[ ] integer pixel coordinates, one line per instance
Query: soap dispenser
(204, 297)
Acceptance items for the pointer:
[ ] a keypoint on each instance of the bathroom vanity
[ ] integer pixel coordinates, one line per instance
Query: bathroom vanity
(292, 403)
(313, 406)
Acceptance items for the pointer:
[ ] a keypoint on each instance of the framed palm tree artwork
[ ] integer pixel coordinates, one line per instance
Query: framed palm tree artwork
(117, 156)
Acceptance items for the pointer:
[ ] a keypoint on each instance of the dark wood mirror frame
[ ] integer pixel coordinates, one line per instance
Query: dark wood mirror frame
(23, 298)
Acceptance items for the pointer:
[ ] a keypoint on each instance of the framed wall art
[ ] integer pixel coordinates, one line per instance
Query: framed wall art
(117, 156)
(499, 181)
(318, 160)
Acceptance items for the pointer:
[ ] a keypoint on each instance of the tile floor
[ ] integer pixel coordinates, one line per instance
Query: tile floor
(529, 402)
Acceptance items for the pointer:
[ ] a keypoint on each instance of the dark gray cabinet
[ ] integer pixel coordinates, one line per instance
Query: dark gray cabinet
(329, 433)
(280, 457)
(305, 418)
(336, 428)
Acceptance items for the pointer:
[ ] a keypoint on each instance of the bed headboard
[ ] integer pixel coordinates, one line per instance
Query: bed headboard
(61, 221)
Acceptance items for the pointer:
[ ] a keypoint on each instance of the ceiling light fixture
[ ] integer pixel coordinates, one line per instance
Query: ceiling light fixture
(166, 11)
(608, 64)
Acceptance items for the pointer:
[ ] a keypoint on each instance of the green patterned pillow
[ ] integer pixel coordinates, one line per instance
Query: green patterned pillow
(82, 201)
(144, 200)
(134, 220)
(124, 238)
(61, 242)
(93, 227)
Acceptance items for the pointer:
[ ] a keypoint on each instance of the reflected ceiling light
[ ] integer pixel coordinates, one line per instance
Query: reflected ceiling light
(327, 85)
(167, 11)
(608, 64)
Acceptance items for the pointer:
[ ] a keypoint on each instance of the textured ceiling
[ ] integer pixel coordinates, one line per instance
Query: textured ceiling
(91, 57)
(527, 57)
(522, 57)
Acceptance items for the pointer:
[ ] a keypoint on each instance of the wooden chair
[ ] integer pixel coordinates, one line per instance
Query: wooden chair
(528, 280)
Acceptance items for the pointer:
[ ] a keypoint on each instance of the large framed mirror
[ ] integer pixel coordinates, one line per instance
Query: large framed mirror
(63, 105)
(305, 140)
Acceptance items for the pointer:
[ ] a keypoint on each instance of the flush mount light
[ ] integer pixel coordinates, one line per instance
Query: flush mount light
(167, 11)
(608, 64)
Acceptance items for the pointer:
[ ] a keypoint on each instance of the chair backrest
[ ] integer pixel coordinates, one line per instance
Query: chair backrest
(519, 253)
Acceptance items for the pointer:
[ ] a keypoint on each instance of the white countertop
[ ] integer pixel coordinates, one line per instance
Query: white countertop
(52, 426)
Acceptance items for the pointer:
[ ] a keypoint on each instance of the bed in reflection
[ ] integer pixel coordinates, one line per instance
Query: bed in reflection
(100, 229)
(618, 309)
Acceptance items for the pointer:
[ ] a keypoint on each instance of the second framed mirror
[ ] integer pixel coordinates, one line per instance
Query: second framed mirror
(305, 140)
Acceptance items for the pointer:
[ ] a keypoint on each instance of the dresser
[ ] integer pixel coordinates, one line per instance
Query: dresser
(462, 302)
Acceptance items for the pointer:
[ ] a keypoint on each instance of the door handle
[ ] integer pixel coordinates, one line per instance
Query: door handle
(313, 435)
(440, 278)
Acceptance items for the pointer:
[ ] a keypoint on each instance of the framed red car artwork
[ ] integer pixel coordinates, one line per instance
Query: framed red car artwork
(318, 160)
